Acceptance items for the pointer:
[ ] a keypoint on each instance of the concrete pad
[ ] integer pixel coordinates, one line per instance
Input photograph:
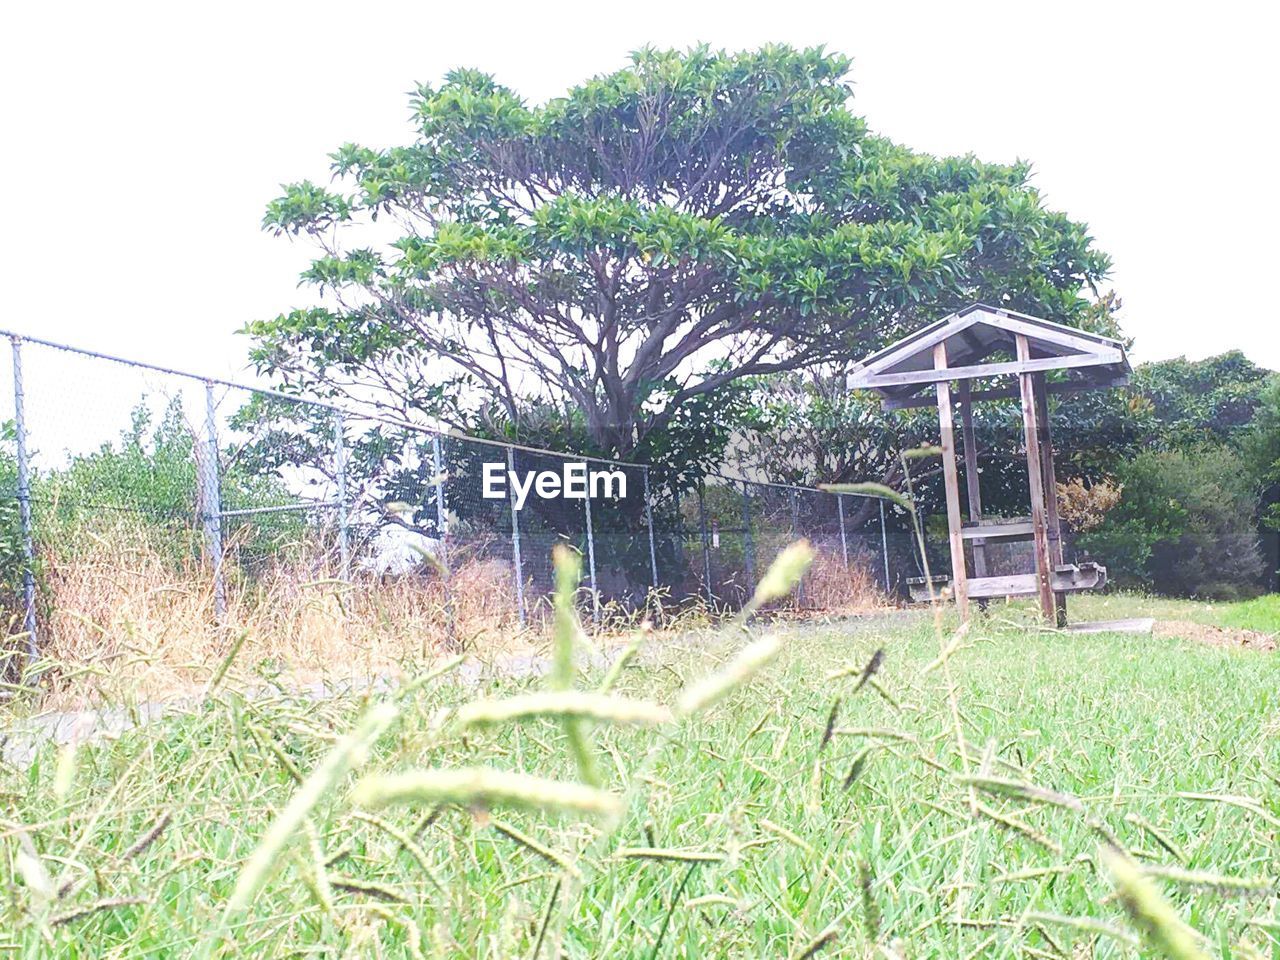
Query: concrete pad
(1131, 625)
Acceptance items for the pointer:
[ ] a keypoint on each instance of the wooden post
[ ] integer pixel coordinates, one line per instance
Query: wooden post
(971, 475)
(1044, 566)
(1054, 524)
(959, 578)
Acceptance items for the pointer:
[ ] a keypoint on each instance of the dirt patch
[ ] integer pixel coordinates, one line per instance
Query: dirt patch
(1216, 636)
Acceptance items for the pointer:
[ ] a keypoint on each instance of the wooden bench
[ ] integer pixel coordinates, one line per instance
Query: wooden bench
(1067, 578)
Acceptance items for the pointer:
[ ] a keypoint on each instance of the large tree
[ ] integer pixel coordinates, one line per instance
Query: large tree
(652, 237)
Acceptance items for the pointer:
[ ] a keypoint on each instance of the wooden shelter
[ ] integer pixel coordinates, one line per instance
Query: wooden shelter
(1015, 351)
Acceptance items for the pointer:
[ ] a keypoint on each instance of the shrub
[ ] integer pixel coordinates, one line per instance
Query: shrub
(1185, 525)
(150, 474)
(143, 483)
(1084, 506)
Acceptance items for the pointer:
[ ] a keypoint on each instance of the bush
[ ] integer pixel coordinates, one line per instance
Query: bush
(138, 493)
(1084, 506)
(150, 475)
(1185, 525)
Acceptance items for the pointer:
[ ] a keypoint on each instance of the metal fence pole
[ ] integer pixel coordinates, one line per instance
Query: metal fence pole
(437, 470)
(515, 537)
(591, 555)
(748, 543)
(706, 546)
(795, 530)
(648, 519)
(24, 505)
(340, 477)
(212, 498)
(884, 547)
(844, 541)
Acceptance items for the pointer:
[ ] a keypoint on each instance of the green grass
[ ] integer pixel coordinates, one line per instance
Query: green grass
(1261, 613)
(896, 862)
(1114, 606)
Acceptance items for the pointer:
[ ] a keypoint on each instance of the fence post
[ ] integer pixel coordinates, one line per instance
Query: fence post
(884, 547)
(24, 505)
(748, 544)
(437, 470)
(706, 547)
(212, 499)
(648, 519)
(340, 477)
(844, 541)
(515, 538)
(795, 529)
(591, 555)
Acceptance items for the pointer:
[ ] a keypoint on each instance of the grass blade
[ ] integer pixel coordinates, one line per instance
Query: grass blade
(485, 787)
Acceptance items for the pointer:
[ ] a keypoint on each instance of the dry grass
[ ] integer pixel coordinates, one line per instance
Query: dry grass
(126, 621)
(833, 588)
(1216, 636)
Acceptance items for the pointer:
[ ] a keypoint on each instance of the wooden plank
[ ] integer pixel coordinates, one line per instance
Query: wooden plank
(1054, 524)
(1097, 358)
(1047, 331)
(1005, 393)
(1042, 323)
(1070, 579)
(998, 531)
(1128, 625)
(923, 339)
(972, 488)
(946, 424)
(1021, 585)
(1036, 483)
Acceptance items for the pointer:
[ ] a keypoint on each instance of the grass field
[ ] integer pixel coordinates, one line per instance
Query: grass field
(740, 833)
(1261, 614)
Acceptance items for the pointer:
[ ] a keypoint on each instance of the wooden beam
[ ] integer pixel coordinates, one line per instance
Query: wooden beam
(1054, 333)
(1054, 524)
(999, 531)
(1044, 566)
(946, 424)
(1018, 585)
(1097, 358)
(971, 476)
(1069, 579)
(914, 401)
(918, 342)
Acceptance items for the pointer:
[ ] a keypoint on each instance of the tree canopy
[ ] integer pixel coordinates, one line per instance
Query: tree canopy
(653, 236)
(1261, 445)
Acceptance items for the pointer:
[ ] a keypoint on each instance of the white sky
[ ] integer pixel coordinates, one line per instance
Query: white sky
(143, 142)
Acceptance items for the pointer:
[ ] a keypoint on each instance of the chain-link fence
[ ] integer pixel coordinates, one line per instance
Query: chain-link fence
(110, 468)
